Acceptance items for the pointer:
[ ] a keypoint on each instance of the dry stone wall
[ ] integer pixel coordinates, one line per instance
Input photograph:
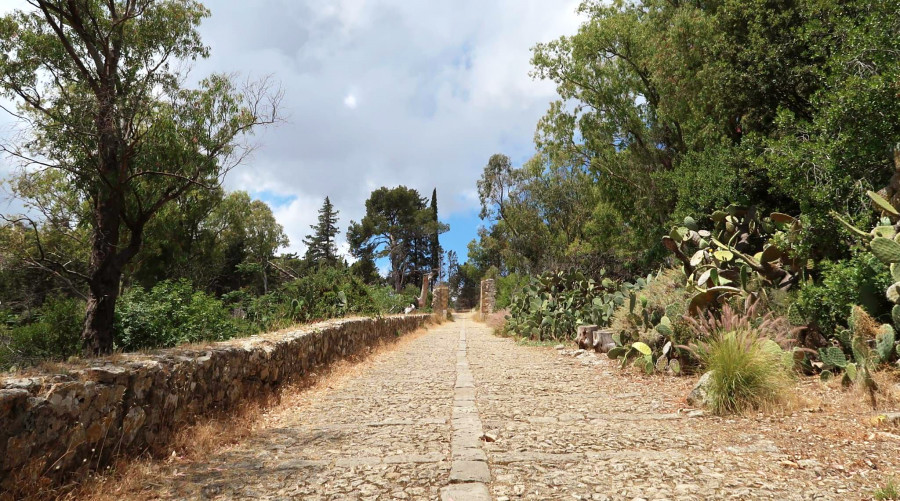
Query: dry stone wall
(56, 426)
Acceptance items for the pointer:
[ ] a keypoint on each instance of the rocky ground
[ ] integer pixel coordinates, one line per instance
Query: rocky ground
(458, 413)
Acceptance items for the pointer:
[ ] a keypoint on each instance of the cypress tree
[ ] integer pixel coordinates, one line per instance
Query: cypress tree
(435, 245)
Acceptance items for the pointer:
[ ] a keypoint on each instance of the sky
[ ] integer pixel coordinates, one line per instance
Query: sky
(381, 93)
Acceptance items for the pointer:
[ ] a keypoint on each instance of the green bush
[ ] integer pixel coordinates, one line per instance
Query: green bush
(860, 280)
(53, 332)
(169, 314)
(508, 287)
(387, 301)
(324, 293)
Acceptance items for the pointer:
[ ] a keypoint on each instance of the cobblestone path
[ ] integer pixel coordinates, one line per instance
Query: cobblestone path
(461, 414)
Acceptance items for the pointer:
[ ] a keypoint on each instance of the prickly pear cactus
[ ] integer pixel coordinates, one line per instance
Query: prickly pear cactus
(795, 315)
(885, 249)
(884, 344)
(849, 375)
(893, 293)
(833, 357)
(617, 352)
(665, 327)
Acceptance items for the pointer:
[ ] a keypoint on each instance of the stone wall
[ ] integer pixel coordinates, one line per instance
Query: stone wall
(58, 425)
(488, 297)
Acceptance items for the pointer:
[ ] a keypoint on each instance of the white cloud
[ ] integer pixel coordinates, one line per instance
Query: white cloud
(444, 86)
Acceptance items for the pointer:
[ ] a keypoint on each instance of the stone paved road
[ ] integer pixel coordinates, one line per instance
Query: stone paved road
(409, 426)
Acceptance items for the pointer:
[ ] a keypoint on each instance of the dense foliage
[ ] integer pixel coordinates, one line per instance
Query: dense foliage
(670, 110)
(554, 304)
(175, 312)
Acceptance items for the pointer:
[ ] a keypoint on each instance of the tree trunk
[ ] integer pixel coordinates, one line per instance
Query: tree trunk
(104, 277)
(97, 336)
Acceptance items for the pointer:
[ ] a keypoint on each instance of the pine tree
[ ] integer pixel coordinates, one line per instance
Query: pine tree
(321, 249)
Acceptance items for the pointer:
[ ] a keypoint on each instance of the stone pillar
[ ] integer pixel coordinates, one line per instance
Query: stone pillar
(440, 302)
(488, 297)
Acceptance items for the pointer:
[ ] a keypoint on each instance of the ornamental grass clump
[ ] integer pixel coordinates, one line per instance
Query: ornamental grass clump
(748, 372)
(751, 365)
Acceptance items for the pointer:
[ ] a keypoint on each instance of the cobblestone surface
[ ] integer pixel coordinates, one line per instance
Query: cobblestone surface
(563, 427)
(580, 428)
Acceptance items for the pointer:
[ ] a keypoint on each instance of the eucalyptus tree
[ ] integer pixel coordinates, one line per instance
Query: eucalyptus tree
(99, 90)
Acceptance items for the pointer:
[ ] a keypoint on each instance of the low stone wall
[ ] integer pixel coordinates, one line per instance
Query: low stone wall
(59, 425)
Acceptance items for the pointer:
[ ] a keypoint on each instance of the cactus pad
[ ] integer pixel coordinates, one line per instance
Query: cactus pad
(882, 203)
(893, 293)
(885, 249)
(617, 352)
(884, 343)
(833, 357)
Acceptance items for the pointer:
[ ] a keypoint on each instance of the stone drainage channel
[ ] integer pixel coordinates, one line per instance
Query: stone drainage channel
(469, 473)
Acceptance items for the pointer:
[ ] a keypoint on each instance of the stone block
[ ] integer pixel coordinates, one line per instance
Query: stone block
(469, 471)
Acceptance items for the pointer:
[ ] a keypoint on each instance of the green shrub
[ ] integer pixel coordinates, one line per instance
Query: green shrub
(748, 371)
(52, 333)
(324, 293)
(860, 280)
(508, 287)
(169, 314)
(387, 301)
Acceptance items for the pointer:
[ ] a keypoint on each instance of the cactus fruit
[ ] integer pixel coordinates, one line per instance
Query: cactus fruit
(885, 249)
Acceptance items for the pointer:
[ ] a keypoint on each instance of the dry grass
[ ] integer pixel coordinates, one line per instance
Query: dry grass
(140, 478)
(495, 320)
